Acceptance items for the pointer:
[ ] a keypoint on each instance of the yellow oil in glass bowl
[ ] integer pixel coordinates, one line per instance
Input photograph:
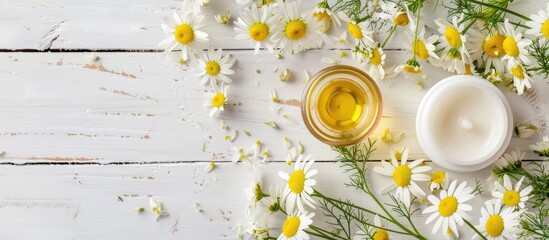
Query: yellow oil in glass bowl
(341, 105)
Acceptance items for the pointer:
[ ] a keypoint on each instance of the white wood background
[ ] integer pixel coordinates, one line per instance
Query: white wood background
(132, 125)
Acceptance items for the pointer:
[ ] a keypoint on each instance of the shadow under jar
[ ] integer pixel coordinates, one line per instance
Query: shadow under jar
(341, 105)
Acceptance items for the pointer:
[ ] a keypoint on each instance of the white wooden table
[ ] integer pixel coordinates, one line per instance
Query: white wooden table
(88, 141)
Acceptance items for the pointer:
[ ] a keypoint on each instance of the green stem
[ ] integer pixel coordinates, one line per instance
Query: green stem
(389, 36)
(378, 227)
(501, 9)
(323, 233)
(475, 229)
(415, 34)
(467, 27)
(519, 25)
(320, 195)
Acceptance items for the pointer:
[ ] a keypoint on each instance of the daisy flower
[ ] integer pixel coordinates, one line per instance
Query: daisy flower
(300, 185)
(158, 209)
(514, 45)
(514, 198)
(525, 130)
(450, 208)
(411, 69)
(215, 66)
(422, 48)
(294, 226)
(507, 161)
(404, 176)
(402, 18)
(257, 25)
(438, 179)
(217, 100)
(359, 31)
(186, 34)
(326, 17)
(497, 223)
(373, 58)
(455, 54)
(299, 31)
(541, 148)
(539, 24)
(489, 50)
(521, 79)
(224, 17)
(387, 10)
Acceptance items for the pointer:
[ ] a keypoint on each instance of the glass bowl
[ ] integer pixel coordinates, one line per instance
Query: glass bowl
(341, 105)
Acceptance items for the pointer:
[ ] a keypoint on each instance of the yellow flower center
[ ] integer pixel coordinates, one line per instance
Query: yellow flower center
(493, 46)
(402, 175)
(218, 100)
(296, 29)
(325, 18)
(184, 34)
(438, 177)
(518, 72)
(320, 16)
(259, 31)
(468, 69)
(290, 227)
(447, 206)
(297, 181)
(375, 59)
(411, 69)
(213, 68)
(420, 50)
(494, 225)
(453, 37)
(510, 46)
(545, 28)
(401, 19)
(511, 198)
(355, 30)
(381, 234)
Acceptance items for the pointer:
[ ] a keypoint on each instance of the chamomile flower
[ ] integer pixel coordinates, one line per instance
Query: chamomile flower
(404, 176)
(411, 68)
(215, 66)
(422, 48)
(509, 160)
(514, 198)
(455, 54)
(299, 31)
(438, 179)
(373, 58)
(223, 18)
(257, 25)
(254, 192)
(387, 10)
(541, 148)
(540, 23)
(359, 31)
(521, 79)
(186, 34)
(294, 226)
(489, 50)
(402, 18)
(299, 185)
(326, 17)
(514, 45)
(158, 209)
(450, 208)
(217, 100)
(497, 223)
(525, 130)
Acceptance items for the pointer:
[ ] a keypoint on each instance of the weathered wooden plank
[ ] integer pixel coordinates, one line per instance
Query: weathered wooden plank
(146, 107)
(126, 24)
(97, 202)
